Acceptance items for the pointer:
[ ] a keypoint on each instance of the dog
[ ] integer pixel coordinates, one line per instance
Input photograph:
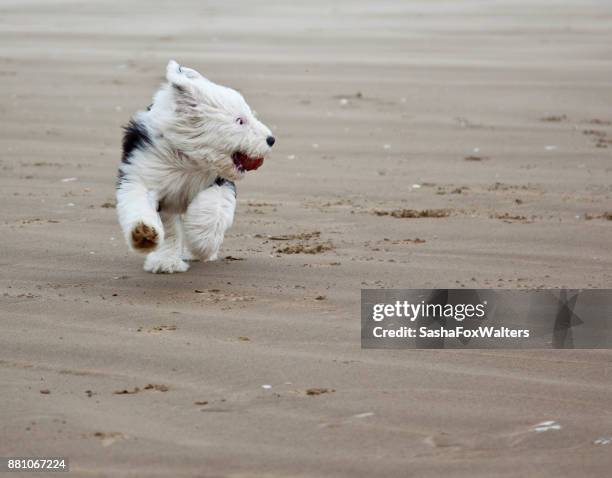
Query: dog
(176, 192)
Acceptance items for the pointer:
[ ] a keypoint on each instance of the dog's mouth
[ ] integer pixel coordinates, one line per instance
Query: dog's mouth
(244, 162)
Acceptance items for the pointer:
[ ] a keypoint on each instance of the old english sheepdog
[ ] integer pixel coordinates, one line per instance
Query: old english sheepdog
(175, 192)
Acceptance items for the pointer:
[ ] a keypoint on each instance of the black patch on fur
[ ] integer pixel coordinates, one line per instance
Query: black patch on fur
(135, 137)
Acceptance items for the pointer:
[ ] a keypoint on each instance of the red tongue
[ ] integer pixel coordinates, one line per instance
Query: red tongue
(250, 163)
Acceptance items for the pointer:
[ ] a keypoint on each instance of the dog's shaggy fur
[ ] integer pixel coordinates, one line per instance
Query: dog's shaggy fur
(175, 193)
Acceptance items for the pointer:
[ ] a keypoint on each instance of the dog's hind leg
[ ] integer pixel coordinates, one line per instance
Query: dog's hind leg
(138, 217)
(187, 255)
(209, 215)
(167, 257)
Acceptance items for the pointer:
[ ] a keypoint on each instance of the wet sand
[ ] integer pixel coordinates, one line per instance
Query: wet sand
(376, 106)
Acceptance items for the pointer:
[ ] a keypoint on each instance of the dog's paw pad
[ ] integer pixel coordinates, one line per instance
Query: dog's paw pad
(144, 237)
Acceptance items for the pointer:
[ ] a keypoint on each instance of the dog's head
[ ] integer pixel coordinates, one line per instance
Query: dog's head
(211, 124)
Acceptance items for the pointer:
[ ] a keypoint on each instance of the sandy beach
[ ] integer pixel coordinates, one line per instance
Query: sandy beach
(496, 113)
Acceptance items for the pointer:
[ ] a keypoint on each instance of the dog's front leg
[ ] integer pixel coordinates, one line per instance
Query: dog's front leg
(138, 217)
(209, 215)
(167, 257)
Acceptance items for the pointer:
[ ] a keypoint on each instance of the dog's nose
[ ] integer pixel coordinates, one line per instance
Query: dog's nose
(270, 140)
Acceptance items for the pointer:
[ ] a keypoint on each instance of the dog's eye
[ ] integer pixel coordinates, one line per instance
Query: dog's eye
(240, 120)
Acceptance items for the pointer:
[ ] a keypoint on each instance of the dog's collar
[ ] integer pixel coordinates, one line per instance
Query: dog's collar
(219, 181)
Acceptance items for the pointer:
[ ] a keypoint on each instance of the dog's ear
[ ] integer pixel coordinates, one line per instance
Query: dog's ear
(182, 81)
(180, 75)
(189, 86)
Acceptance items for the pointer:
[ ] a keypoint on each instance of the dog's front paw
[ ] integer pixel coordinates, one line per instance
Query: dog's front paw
(144, 237)
(164, 264)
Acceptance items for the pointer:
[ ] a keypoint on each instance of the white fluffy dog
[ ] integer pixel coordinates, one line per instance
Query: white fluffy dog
(175, 193)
